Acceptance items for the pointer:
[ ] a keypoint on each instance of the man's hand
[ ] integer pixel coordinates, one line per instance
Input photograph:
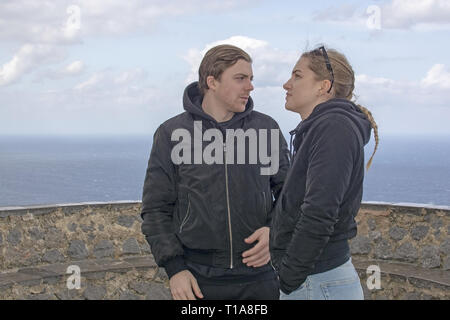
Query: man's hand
(259, 255)
(183, 285)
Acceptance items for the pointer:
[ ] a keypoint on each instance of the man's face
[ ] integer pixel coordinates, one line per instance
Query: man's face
(232, 90)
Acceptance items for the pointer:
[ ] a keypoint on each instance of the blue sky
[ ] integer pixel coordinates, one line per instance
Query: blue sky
(120, 67)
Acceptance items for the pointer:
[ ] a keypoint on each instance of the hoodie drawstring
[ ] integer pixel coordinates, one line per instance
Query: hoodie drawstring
(291, 152)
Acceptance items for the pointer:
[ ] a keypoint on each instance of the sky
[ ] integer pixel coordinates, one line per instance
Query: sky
(114, 67)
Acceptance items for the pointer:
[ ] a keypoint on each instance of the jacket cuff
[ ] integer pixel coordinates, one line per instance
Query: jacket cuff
(174, 265)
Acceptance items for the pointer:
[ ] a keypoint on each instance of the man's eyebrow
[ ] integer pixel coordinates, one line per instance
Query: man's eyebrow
(243, 75)
(296, 70)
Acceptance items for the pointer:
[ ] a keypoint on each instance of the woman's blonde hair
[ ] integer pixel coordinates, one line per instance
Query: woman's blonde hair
(343, 84)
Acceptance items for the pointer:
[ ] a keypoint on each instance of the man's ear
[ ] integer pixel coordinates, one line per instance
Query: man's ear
(211, 82)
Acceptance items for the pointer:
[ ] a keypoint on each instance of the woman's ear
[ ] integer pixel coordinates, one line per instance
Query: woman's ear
(324, 87)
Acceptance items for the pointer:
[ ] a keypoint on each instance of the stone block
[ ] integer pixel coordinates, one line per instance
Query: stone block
(131, 246)
(419, 232)
(158, 291)
(14, 237)
(397, 233)
(54, 237)
(430, 257)
(375, 236)
(406, 252)
(140, 287)
(86, 228)
(437, 223)
(53, 256)
(77, 250)
(94, 292)
(383, 250)
(360, 245)
(67, 294)
(445, 246)
(104, 249)
(36, 234)
(372, 224)
(446, 265)
(126, 221)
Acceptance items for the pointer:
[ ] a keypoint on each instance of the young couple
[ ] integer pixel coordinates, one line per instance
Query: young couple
(224, 230)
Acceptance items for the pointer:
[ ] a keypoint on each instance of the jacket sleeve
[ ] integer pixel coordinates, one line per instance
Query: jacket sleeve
(277, 180)
(333, 148)
(158, 203)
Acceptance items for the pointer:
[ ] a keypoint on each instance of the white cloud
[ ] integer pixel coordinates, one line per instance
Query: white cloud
(271, 66)
(409, 13)
(94, 80)
(431, 90)
(29, 57)
(67, 21)
(74, 68)
(437, 76)
(397, 14)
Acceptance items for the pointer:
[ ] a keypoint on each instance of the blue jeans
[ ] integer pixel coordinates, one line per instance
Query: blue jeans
(340, 283)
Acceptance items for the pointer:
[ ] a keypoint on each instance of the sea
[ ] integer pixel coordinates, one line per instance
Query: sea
(47, 170)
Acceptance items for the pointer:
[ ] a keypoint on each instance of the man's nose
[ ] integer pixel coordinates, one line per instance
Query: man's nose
(286, 86)
(250, 86)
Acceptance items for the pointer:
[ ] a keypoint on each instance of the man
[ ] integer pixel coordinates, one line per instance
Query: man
(206, 205)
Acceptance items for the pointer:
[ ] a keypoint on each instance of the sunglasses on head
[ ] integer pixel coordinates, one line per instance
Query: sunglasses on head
(327, 62)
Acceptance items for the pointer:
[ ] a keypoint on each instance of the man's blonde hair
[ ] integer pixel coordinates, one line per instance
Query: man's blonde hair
(216, 61)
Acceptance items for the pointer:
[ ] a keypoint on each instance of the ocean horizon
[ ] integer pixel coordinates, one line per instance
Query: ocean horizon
(48, 170)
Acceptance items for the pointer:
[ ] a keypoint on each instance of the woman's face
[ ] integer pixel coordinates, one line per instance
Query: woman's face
(302, 89)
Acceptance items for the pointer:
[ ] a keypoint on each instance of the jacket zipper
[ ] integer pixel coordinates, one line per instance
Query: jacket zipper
(228, 206)
(188, 211)
(265, 203)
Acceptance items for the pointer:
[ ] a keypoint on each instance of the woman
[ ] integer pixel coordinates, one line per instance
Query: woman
(315, 213)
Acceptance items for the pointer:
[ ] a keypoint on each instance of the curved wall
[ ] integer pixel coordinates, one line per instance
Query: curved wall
(42, 248)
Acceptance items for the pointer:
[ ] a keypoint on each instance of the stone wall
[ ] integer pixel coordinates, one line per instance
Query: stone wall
(411, 246)
(38, 244)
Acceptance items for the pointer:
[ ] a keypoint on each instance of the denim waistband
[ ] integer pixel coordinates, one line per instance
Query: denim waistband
(333, 255)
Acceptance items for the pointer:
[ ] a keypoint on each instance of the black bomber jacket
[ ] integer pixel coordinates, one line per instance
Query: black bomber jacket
(207, 207)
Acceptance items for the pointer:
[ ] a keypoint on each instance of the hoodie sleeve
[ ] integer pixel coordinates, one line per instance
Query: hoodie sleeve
(333, 149)
(158, 203)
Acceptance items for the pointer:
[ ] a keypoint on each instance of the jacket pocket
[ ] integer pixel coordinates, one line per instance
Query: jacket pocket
(187, 215)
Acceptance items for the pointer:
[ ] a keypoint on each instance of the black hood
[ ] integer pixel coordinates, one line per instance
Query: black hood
(341, 106)
(192, 103)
